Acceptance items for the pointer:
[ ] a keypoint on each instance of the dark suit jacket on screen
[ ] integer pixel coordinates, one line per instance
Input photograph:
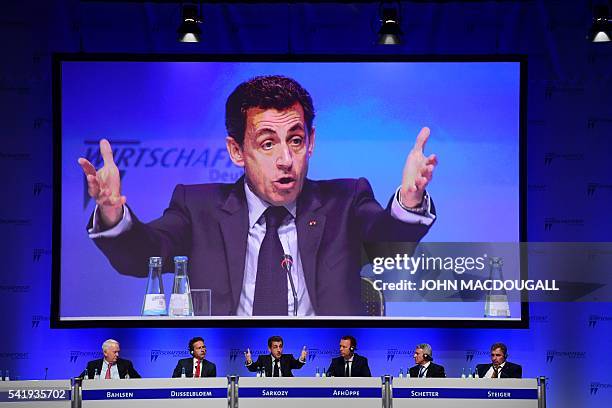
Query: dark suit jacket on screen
(124, 367)
(509, 370)
(359, 367)
(433, 371)
(209, 223)
(207, 369)
(287, 363)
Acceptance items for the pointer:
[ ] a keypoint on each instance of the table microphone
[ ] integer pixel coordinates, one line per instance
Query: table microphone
(46, 371)
(286, 264)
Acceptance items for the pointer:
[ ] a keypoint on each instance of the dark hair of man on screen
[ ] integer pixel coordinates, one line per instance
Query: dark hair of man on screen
(274, 339)
(265, 92)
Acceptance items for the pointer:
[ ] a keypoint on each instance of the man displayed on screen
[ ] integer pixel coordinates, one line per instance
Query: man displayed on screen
(349, 364)
(499, 367)
(196, 366)
(425, 367)
(275, 364)
(237, 235)
(111, 366)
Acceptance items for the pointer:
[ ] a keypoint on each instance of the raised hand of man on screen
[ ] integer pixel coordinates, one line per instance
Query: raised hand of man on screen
(418, 172)
(104, 186)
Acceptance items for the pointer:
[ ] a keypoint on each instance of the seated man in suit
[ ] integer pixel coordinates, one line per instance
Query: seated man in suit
(275, 364)
(499, 367)
(349, 364)
(425, 367)
(196, 366)
(111, 366)
(236, 234)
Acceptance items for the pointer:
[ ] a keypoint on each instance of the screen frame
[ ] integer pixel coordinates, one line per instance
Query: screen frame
(320, 322)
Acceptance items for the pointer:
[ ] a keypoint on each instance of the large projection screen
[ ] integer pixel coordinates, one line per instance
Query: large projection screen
(164, 117)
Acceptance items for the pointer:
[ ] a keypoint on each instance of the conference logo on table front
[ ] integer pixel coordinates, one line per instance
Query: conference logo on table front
(470, 354)
(392, 352)
(569, 355)
(596, 386)
(88, 355)
(213, 159)
(173, 354)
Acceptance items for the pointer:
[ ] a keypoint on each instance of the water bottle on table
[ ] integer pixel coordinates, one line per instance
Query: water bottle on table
(180, 300)
(154, 303)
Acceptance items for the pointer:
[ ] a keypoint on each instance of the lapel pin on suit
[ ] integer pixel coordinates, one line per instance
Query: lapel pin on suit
(312, 223)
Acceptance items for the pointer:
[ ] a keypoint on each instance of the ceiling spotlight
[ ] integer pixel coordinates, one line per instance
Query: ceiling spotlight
(601, 30)
(390, 32)
(189, 30)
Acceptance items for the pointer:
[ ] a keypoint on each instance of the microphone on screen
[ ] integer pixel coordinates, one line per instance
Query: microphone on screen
(287, 264)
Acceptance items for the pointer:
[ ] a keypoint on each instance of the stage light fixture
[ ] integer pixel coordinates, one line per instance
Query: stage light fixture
(189, 30)
(601, 30)
(390, 32)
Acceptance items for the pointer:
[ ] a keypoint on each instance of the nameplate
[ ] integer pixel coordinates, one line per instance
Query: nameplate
(307, 392)
(34, 395)
(466, 393)
(154, 393)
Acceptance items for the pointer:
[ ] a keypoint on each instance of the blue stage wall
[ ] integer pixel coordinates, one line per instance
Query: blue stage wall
(569, 181)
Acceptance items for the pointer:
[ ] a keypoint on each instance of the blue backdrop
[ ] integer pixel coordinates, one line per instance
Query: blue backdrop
(569, 182)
